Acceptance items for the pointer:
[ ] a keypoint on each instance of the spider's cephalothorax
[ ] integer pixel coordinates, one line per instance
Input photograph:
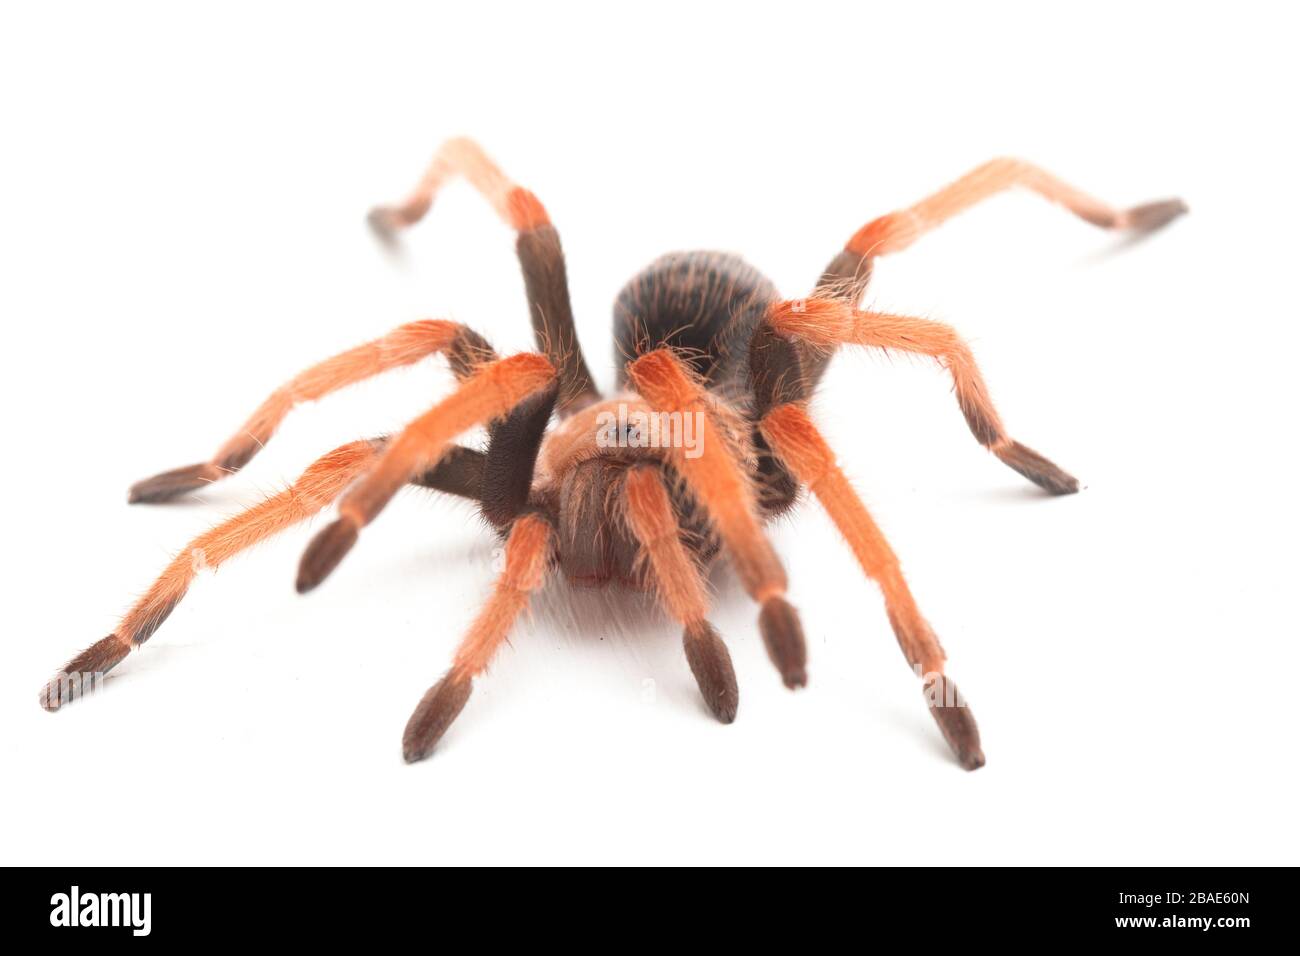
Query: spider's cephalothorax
(707, 437)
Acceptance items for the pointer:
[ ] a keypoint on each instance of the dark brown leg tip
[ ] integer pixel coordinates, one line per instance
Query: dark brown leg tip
(956, 722)
(710, 662)
(783, 637)
(1153, 215)
(440, 705)
(83, 674)
(1037, 469)
(172, 484)
(384, 222)
(53, 695)
(325, 552)
(971, 761)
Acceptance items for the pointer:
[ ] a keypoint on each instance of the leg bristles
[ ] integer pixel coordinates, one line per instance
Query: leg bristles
(325, 552)
(174, 483)
(710, 662)
(783, 638)
(84, 673)
(1036, 468)
(441, 704)
(955, 721)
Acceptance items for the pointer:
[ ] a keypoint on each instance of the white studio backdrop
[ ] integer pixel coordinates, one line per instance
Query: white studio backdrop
(183, 195)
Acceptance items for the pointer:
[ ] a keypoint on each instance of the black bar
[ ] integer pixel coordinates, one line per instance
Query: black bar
(1223, 907)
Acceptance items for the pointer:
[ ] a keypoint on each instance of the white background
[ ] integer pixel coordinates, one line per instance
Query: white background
(182, 228)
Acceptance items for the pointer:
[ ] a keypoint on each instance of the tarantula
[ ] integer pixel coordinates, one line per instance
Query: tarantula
(568, 481)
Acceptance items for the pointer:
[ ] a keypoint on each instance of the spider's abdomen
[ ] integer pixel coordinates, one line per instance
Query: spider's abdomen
(705, 303)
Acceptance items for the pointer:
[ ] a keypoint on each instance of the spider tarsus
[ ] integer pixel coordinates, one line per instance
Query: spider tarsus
(325, 552)
(172, 484)
(955, 721)
(783, 637)
(383, 222)
(80, 675)
(1151, 216)
(440, 705)
(710, 662)
(1037, 469)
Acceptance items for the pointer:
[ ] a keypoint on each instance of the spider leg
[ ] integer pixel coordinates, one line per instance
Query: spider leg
(719, 482)
(848, 273)
(402, 346)
(492, 391)
(824, 324)
(800, 446)
(321, 483)
(654, 523)
(528, 552)
(458, 473)
(508, 466)
(538, 247)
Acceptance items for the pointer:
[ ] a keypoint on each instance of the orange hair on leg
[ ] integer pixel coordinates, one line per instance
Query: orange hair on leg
(652, 519)
(898, 230)
(404, 345)
(516, 206)
(719, 483)
(528, 553)
(847, 275)
(826, 323)
(492, 391)
(537, 244)
(716, 476)
(322, 482)
(795, 440)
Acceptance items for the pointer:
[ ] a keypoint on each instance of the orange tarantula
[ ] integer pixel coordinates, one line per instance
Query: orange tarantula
(568, 485)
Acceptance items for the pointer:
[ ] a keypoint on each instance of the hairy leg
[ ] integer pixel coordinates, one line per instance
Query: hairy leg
(538, 246)
(404, 345)
(828, 323)
(511, 457)
(720, 484)
(493, 391)
(848, 273)
(459, 473)
(528, 552)
(320, 484)
(650, 514)
(796, 441)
